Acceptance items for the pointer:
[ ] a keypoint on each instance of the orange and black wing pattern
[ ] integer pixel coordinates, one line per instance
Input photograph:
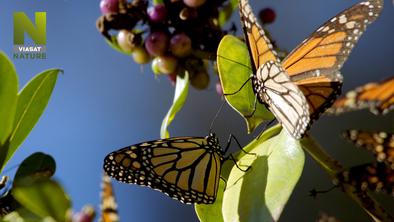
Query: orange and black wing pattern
(271, 84)
(314, 65)
(185, 168)
(381, 144)
(260, 47)
(372, 176)
(377, 97)
(108, 207)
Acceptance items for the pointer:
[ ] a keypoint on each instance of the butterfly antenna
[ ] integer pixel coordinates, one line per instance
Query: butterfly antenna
(216, 115)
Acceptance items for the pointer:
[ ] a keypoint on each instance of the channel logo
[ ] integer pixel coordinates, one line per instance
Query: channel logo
(36, 47)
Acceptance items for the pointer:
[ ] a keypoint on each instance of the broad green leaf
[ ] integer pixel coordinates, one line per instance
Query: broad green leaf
(213, 212)
(8, 97)
(226, 12)
(36, 166)
(181, 91)
(44, 198)
(114, 44)
(261, 193)
(234, 70)
(32, 101)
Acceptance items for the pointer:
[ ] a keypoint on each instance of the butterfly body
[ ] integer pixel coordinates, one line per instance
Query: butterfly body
(184, 168)
(309, 79)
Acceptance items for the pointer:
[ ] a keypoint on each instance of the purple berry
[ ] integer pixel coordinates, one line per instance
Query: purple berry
(157, 13)
(181, 45)
(109, 6)
(156, 43)
(267, 15)
(194, 3)
(167, 64)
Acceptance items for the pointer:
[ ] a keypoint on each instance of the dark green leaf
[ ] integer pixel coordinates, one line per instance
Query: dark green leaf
(37, 166)
(181, 91)
(44, 198)
(234, 70)
(261, 193)
(32, 101)
(8, 97)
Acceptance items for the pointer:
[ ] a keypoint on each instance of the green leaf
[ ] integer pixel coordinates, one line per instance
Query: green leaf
(35, 167)
(213, 212)
(181, 90)
(8, 97)
(234, 70)
(260, 194)
(44, 198)
(114, 44)
(226, 12)
(22, 215)
(32, 101)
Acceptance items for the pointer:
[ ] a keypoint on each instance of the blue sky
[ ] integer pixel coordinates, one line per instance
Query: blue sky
(104, 101)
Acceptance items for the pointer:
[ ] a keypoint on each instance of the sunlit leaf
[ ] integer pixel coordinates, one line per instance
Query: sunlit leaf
(8, 97)
(35, 167)
(181, 91)
(234, 70)
(213, 212)
(32, 101)
(261, 193)
(44, 198)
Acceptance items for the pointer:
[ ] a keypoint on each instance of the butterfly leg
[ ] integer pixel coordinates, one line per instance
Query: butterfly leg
(244, 84)
(229, 140)
(231, 157)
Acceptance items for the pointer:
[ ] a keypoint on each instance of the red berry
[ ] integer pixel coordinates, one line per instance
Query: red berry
(181, 45)
(156, 43)
(194, 3)
(172, 78)
(267, 15)
(167, 64)
(109, 6)
(157, 13)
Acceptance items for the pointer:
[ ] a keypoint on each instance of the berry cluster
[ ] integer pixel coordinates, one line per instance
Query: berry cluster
(174, 35)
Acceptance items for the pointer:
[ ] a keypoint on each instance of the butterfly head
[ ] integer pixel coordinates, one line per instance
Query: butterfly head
(212, 140)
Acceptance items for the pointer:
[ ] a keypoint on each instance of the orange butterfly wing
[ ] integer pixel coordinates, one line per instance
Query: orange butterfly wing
(260, 47)
(314, 65)
(378, 97)
(108, 206)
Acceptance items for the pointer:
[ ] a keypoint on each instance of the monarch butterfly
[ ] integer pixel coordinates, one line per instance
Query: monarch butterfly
(307, 81)
(109, 212)
(373, 176)
(378, 97)
(380, 143)
(185, 168)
